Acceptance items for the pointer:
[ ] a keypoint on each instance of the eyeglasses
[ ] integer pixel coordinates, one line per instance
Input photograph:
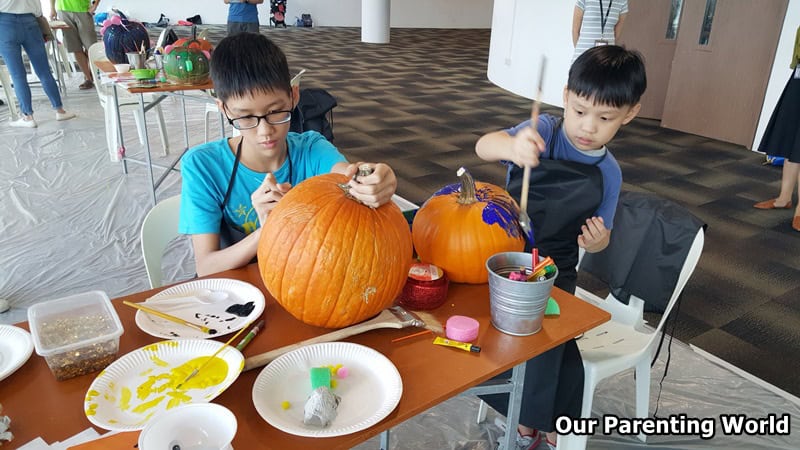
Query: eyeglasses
(252, 121)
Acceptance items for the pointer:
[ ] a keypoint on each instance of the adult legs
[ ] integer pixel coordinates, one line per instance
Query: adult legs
(82, 58)
(77, 39)
(34, 46)
(11, 30)
(789, 179)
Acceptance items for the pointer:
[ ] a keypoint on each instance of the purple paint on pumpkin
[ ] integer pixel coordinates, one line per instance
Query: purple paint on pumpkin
(449, 189)
(500, 211)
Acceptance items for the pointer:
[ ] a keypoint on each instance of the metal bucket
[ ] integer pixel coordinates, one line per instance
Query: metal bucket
(517, 307)
(137, 60)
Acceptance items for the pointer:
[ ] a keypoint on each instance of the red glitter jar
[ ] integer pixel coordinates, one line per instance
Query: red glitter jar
(425, 289)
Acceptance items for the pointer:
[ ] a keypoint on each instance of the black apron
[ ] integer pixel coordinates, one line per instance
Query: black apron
(230, 233)
(561, 196)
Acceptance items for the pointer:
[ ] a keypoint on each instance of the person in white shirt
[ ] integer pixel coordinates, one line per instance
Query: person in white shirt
(597, 22)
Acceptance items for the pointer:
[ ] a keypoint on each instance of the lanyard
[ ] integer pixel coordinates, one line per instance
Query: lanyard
(236, 168)
(604, 19)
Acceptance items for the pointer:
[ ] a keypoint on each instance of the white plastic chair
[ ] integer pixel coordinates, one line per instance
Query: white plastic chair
(106, 95)
(624, 342)
(160, 226)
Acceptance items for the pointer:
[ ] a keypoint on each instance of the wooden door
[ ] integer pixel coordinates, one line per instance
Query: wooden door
(645, 30)
(717, 90)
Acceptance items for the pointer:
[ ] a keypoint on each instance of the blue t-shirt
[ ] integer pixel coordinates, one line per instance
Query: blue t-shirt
(206, 170)
(242, 12)
(564, 150)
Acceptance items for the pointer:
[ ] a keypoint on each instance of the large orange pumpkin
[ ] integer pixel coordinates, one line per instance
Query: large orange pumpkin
(329, 260)
(463, 224)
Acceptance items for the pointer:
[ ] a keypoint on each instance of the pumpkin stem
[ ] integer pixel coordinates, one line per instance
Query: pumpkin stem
(363, 170)
(466, 196)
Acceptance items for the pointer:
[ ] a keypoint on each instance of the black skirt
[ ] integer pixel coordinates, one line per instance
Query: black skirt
(782, 136)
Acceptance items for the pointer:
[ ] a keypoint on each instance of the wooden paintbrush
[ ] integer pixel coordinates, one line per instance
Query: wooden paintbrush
(524, 219)
(171, 318)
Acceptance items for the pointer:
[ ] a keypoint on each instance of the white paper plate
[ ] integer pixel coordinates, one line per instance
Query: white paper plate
(369, 393)
(126, 394)
(212, 314)
(16, 346)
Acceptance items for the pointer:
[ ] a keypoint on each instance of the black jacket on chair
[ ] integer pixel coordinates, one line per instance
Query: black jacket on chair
(649, 244)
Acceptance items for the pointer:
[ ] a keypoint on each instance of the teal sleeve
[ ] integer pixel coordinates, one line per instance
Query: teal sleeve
(201, 211)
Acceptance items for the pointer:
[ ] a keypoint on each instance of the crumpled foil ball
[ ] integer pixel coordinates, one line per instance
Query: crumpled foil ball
(320, 408)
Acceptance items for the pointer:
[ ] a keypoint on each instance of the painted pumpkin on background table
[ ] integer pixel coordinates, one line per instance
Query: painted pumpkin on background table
(329, 260)
(463, 224)
(121, 36)
(187, 63)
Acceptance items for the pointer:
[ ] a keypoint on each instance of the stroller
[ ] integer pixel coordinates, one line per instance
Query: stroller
(277, 13)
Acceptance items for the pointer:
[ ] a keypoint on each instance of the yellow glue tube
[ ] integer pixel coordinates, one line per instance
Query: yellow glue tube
(466, 346)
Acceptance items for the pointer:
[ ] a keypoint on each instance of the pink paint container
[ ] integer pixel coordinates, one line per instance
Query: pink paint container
(462, 328)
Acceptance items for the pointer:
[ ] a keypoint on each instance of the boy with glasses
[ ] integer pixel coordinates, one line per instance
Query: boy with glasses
(231, 185)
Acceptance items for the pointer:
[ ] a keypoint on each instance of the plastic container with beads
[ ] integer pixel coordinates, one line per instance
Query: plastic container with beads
(425, 289)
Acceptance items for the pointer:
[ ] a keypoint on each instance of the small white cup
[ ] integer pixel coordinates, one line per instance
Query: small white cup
(122, 68)
(192, 427)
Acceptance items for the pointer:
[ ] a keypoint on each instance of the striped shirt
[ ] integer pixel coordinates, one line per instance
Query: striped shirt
(592, 23)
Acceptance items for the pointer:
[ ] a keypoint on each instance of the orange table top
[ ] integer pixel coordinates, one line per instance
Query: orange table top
(38, 405)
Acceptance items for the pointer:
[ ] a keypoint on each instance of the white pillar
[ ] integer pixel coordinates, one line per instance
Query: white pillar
(375, 21)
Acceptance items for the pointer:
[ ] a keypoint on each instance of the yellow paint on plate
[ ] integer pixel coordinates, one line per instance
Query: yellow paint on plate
(125, 399)
(156, 386)
(148, 405)
(158, 361)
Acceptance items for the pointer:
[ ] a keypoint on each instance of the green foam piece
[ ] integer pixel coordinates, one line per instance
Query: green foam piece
(552, 308)
(320, 376)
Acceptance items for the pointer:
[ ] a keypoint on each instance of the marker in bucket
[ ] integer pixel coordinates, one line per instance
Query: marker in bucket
(541, 265)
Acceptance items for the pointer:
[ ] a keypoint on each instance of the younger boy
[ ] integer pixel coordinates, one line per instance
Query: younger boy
(575, 184)
(231, 185)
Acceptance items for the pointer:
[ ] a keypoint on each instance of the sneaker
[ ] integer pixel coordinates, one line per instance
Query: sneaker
(528, 442)
(524, 442)
(550, 445)
(22, 123)
(88, 84)
(64, 116)
(196, 19)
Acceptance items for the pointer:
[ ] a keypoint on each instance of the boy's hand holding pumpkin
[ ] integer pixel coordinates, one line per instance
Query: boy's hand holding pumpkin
(266, 197)
(374, 189)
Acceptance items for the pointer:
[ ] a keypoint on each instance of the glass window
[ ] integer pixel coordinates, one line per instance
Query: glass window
(708, 18)
(674, 19)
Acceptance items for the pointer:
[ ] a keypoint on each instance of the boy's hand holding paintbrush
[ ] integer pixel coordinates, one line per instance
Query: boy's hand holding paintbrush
(528, 144)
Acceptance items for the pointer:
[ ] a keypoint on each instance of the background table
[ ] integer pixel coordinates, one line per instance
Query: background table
(160, 91)
(41, 406)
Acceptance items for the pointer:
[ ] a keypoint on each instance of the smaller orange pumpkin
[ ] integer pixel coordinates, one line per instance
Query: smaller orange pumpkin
(462, 225)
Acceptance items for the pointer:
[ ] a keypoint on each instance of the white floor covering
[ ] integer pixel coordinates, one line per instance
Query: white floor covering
(69, 223)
